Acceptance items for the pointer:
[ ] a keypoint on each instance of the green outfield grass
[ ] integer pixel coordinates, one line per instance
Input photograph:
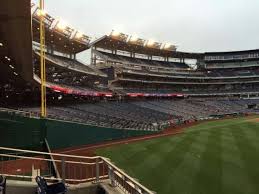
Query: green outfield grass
(211, 158)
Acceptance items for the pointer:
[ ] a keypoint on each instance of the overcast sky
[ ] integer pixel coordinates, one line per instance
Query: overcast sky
(193, 25)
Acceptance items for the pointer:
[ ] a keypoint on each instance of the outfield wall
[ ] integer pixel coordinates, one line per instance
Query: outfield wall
(23, 132)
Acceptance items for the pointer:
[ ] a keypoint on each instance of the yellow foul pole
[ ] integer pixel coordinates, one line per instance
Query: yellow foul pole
(42, 61)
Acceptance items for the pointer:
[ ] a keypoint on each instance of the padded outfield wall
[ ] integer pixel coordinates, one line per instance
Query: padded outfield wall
(29, 133)
(21, 132)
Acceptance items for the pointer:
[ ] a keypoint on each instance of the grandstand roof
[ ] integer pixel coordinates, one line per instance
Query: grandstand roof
(111, 43)
(59, 40)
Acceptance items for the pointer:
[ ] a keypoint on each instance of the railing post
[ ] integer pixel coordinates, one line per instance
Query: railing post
(97, 170)
(63, 170)
(137, 189)
(2, 165)
(111, 176)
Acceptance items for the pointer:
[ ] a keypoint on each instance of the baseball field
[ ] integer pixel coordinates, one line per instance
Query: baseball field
(216, 157)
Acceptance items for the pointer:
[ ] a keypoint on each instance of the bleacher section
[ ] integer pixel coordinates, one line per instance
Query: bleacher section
(130, 60)
(112, 114)
(74, 65)
(232, 65)
(71, 74)
(146, 115)
(190, 74)
(189, 91)
(139, 75)
(195, 109)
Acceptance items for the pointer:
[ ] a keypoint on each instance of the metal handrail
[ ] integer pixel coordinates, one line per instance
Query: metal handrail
(48, 154)
(48, 160)
(113, 170)
(53, 179)
(107, 161)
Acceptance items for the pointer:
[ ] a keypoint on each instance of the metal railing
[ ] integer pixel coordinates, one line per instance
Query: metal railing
(72, 169)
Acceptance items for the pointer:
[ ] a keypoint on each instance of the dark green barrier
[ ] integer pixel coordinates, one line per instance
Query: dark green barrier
(29, 133)
(21, 132)
(62, 134)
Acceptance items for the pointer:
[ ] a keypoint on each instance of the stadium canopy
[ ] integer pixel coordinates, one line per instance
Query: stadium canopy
(58, 35)
(140, 46)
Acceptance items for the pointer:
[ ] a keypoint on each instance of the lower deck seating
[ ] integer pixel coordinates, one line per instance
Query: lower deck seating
(149, 115)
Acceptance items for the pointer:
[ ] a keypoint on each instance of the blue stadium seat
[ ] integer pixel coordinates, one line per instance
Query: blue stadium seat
(44, 188)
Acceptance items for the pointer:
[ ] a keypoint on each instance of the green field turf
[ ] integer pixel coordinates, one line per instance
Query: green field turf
(210, 158)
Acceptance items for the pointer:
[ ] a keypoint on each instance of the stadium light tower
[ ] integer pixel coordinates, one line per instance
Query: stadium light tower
(115, 33)
(150, 43)
(61, 25)
(133, 38)
(42, 60)
(78, 35)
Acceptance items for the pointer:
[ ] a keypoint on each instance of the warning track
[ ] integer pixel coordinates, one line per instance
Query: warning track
(89, 150)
